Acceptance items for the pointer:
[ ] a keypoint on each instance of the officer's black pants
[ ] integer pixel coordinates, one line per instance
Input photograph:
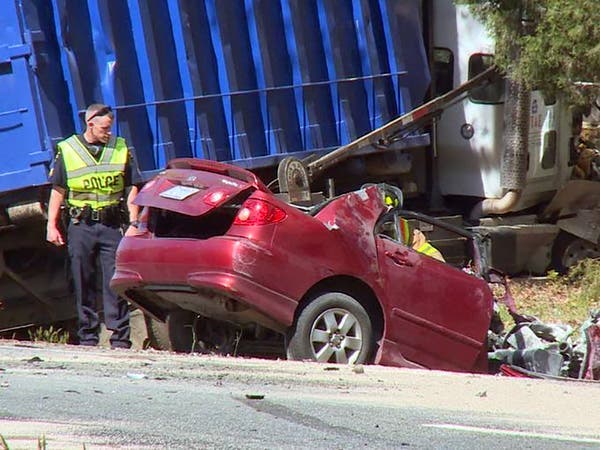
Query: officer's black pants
(88, 242)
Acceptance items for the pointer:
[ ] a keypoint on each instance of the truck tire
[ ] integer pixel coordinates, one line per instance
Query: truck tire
(332, 328)
(568, 250)
(175, 334)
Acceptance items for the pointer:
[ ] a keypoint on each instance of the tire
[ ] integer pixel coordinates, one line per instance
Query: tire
(175, 334)
(568, 250)
(317, 336)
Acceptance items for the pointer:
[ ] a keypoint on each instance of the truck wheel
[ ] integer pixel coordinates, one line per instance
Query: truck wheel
(569, 250)
(175, 334)
(333, 328)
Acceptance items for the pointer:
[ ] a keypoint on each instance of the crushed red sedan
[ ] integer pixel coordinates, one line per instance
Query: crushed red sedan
(337, 280)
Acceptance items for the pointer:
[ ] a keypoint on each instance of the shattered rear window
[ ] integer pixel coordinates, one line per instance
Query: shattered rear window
(166, 223)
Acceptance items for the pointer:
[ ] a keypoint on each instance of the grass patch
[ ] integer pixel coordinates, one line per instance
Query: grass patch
(565, 299)
(50, 334)
(42, 444)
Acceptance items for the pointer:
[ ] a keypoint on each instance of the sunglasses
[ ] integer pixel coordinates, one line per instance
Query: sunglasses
(101, 112)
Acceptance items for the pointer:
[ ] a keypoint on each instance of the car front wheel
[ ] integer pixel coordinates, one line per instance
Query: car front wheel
(333, 328)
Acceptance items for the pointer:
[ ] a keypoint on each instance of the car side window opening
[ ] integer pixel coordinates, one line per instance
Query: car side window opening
(402, 231)
(389, 228)
(457, 250)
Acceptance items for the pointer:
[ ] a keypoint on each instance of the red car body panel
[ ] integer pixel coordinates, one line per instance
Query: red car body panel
(210, 183)
(434, 315)
(430, 331)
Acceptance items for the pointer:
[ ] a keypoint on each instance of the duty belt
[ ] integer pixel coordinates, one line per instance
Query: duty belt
(109, 215)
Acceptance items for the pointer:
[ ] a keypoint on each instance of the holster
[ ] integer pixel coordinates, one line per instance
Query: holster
(64, 220)
(110, 215)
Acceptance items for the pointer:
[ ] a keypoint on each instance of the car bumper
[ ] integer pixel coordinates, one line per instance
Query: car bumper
(231, 269)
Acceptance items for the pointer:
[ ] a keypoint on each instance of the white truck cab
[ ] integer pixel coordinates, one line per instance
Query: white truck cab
(469, 154)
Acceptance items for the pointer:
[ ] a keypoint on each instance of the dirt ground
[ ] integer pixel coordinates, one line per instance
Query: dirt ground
(537, 404)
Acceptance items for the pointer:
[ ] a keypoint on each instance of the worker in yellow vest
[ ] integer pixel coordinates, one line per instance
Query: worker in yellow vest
(421, 245)
(94, 180)
(418, 241)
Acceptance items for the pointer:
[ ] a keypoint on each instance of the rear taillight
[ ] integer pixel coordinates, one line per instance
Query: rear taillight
(259, 212)
(215, 198)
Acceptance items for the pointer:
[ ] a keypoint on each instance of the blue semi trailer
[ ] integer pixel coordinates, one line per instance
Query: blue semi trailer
(246, 81)
(261, 82)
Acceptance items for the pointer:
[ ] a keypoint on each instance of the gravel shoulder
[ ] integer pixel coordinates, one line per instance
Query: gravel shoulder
(536, 404)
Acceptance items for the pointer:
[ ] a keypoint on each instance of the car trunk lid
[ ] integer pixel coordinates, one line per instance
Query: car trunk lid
(195, 187)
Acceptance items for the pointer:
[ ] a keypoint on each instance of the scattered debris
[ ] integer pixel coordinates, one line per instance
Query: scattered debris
(590, 369)
(358, 369)
(136, 376)
(35, 359)
(533, 348)
(255, 396)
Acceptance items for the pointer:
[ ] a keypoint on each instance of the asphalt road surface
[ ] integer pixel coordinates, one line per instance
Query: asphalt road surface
(121, 399)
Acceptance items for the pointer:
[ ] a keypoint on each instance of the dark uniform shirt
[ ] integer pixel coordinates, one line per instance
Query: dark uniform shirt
(58, 175)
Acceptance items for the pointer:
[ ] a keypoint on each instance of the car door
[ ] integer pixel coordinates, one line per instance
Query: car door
(437, 314)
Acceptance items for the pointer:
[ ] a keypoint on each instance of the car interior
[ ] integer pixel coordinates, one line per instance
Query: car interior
(457, 249)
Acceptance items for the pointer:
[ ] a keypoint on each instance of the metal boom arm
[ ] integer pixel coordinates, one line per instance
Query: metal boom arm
(381, 134)
(295, 176)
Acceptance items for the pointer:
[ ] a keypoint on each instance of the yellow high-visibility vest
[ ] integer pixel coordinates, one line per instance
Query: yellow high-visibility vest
(430, 250)
(95, 183)
(405, 232)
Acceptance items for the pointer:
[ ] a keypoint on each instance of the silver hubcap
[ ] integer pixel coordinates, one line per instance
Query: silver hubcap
(336, 336)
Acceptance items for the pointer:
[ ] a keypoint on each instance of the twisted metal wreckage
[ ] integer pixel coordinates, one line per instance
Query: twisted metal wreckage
(535, 349)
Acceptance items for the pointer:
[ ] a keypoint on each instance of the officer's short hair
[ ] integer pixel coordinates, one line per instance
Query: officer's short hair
(98, 110)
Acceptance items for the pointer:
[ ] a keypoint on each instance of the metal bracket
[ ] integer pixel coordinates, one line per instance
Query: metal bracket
(294, 179)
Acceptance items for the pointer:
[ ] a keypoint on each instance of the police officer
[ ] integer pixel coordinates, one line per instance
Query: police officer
(93, 173)
(418, 241)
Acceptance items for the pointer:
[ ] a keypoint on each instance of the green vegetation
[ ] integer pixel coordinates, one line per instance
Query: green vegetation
(41, 443)
(545, 44)
(50, 334)
(564, 299)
